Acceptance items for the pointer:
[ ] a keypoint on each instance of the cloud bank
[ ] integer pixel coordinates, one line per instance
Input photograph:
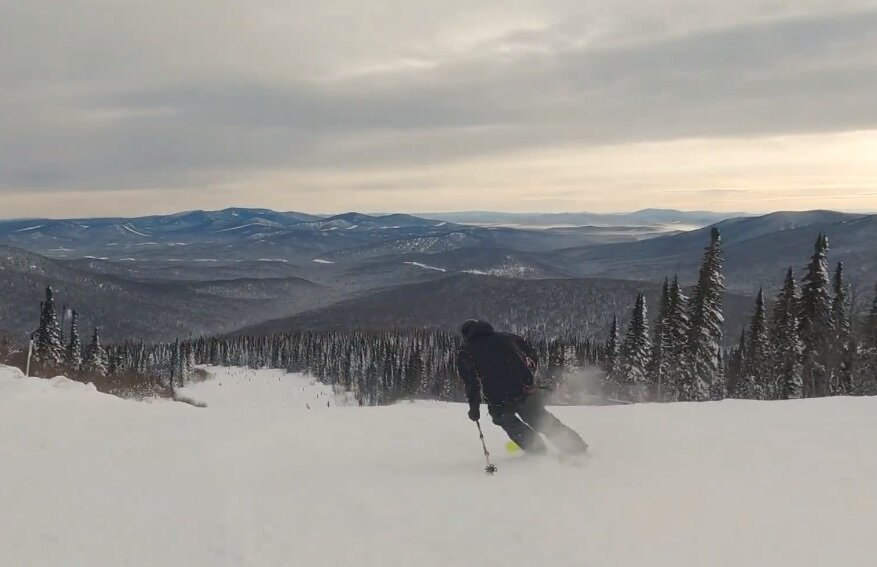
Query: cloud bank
(419, 105)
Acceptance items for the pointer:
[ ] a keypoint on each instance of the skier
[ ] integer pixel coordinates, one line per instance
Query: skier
(501, 367)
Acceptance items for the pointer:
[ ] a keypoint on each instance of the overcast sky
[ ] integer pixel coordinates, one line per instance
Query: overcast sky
(130, 107)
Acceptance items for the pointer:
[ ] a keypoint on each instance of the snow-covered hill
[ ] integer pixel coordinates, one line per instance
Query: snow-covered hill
(267, 474)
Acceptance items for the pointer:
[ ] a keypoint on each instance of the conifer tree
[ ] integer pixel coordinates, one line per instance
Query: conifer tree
(756, 367)
(658, 364)
(96, 358)
(636, 351)
(180, 357)
(816, 322)
(173, 363)
(736, 364)
(843, 347)
(703, 378)
(73, 356)
(190, 360)
(48, 347)
(613, 350)
(786, 346)
(866, 369)
(676, 351)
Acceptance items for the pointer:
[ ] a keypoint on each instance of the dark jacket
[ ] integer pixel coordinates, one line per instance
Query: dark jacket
(500, 366)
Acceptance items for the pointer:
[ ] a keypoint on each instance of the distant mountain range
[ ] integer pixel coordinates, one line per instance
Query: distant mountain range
(643, 218)
(213, 272)
(757, 250)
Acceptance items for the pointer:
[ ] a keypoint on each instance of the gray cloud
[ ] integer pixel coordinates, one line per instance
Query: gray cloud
(123, 102)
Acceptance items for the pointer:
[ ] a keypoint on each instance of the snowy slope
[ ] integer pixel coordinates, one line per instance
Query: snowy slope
(256, 478)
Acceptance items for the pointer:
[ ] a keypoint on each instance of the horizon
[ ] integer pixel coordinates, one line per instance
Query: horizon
(323, 214)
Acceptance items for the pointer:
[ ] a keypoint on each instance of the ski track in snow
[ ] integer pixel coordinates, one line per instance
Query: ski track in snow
(240, 227)
(39, 226)
(131, 230)
(424, 266)
(256, 478)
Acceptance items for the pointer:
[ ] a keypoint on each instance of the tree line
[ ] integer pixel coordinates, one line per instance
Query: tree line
(807, 344)
(378, 367)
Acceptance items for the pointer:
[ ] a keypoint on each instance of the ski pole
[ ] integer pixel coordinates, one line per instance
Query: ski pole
(490, 469)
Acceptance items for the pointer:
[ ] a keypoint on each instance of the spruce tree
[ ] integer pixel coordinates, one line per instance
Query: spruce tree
(841, 380)
(613, 349)
(676, 350)
(636, 351)
(816, 322)
(49, 348)
(96, 358)
(703, 379)
(190, 360)
(736, 364)
(73, 356)
(658, 364)
(786, 346)
(866, 370)
(756, 367)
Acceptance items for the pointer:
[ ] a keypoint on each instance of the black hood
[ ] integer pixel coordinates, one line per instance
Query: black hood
(474, 328)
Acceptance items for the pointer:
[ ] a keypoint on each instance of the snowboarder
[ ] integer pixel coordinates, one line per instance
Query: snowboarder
(501, 368)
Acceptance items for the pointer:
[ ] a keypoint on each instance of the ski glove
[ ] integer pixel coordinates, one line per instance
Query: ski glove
(474, 413)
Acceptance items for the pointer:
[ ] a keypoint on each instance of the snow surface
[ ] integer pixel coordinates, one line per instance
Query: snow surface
(257, 478)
